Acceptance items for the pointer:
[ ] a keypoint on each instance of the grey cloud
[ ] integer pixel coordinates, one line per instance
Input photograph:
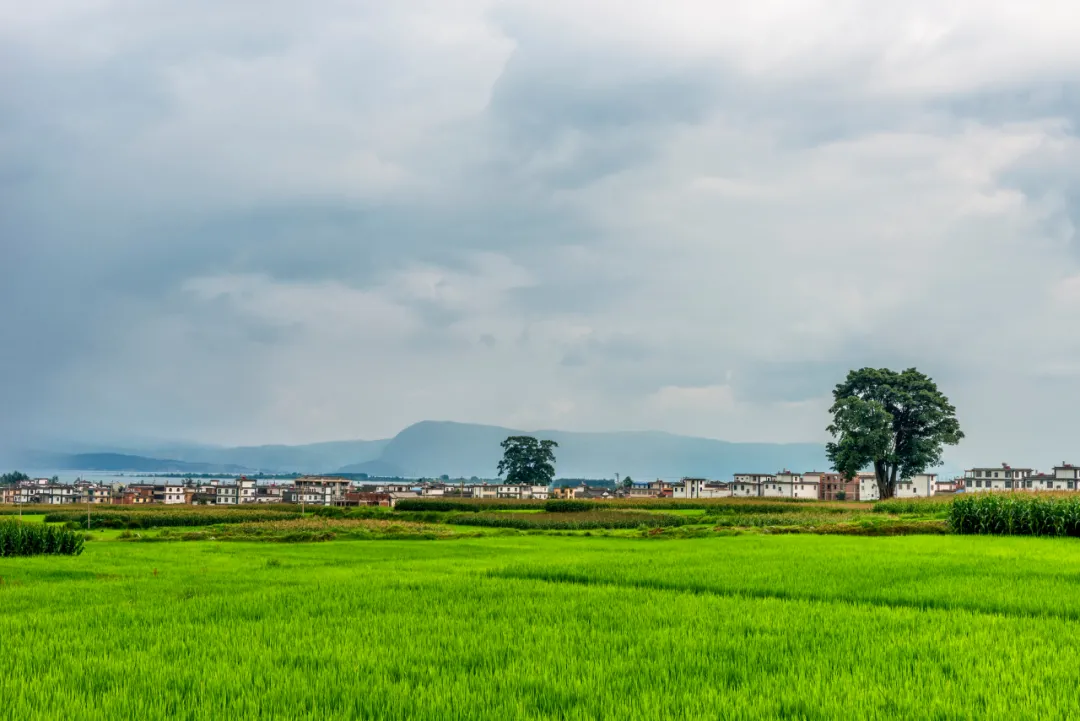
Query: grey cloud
(576, 160)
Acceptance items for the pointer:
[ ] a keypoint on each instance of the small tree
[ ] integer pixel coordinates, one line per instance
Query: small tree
(896, 422)
(628, 482)
(527, 461)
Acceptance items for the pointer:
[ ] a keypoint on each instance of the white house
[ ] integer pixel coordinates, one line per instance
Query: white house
(53, 494)
(247, 490)
(918, 486)
(805, 486)
(227, 495)
(173, 493)
(689, 488)
(1066, 477)
(1003, 478)
(787, 484)
(716, 489)
(750, 484)
(311, 495)
(314, 484)
(868, 487)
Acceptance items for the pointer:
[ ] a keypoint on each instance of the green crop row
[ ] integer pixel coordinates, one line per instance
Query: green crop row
(35, 539)
(1014, 514)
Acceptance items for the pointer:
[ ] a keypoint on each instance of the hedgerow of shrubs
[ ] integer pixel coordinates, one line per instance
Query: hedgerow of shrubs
(469, 505)
(1011, 514)
(569, 506)
(569, 522)
(36, 539)
(711, 506)
(934, 505)
(160, 518)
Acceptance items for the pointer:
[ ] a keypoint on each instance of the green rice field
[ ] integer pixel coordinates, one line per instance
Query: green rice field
(546, 627)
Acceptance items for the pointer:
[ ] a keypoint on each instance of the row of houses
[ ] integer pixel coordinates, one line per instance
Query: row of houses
(812, 485)
(1004, 477)
(310, 490)
(330, 490)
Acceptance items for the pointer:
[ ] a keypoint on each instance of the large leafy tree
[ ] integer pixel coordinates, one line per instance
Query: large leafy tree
(898, 423)
(527, 461)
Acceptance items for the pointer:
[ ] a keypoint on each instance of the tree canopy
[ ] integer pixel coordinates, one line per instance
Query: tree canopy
(897, 423)
(527, 461)
(10, 479)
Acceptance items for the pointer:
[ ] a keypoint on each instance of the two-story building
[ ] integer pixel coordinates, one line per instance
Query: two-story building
(170, 494)
(750, 484)
(868, 487)
(1002, 478)
(788, 484)
(833, 486)
(227, 495)
(338, 487)
(1066, 477)
(92, 493)
(312, 495)
(269, 494)
(918, 486)
(689, 488)
(53, 494)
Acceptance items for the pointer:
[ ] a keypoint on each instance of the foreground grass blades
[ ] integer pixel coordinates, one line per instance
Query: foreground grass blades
(752, 627)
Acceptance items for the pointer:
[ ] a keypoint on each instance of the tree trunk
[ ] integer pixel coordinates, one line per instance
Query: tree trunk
(881, 472)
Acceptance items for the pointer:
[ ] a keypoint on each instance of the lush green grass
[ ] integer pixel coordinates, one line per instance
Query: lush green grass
(751, 627)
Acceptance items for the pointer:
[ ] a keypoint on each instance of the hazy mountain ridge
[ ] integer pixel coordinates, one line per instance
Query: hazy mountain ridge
(190, 458)
(125, 463)
(433, 448)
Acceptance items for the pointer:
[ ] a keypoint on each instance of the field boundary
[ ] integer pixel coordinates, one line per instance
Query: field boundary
(778, 595)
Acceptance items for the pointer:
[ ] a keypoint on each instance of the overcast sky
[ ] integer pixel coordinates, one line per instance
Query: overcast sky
(269, 221)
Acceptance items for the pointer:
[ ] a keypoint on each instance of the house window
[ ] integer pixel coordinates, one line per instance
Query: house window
(967, 482)
(1008, 484)
(1070, 485)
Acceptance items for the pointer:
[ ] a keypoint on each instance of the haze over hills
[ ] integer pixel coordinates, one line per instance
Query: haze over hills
(433, 448)
(123, 462)
(188, 458)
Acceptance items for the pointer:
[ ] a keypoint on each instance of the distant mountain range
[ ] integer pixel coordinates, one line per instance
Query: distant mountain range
(433, 448)
(122, 462)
